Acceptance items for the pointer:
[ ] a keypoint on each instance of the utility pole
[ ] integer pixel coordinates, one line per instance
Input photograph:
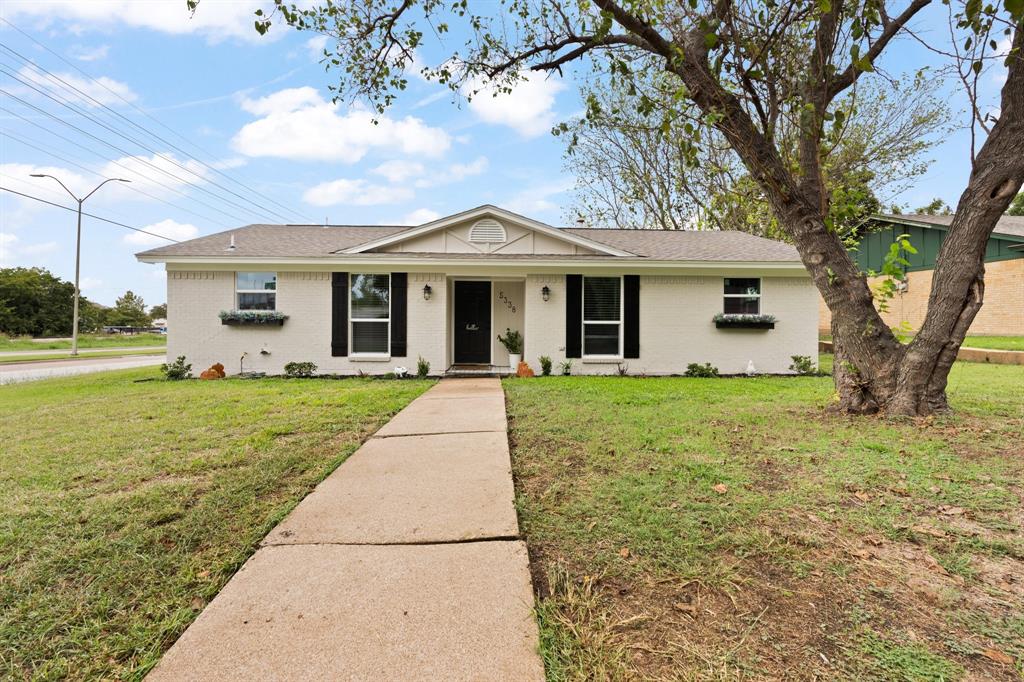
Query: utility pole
(78, 248)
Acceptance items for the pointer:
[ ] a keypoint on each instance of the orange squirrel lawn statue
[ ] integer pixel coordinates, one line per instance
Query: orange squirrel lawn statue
(215, 372)
(524, 370)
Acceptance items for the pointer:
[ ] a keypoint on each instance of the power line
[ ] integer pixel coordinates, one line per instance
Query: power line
(116, 148)
(141, 111)
(40, 147)
(73, 210)
(137, 157)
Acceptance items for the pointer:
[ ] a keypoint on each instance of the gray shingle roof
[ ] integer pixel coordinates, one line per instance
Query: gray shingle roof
(315, 241)
(710, 245)
(1010, 225)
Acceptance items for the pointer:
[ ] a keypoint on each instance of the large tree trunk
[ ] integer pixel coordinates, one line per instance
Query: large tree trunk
(873, 370)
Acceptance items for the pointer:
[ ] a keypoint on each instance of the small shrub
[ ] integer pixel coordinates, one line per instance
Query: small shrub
(566, 367)
(422, 368)
(177, 370)
(300, 369)
(545, 365)
(804, 366)
(622, 369)
(705, 371)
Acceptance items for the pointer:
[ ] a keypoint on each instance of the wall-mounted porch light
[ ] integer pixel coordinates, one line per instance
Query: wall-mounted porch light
(545, 293)
(427, 291)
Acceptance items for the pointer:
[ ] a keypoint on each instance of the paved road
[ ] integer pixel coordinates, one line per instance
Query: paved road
(81, 351)
(404, 564)
(30, 371)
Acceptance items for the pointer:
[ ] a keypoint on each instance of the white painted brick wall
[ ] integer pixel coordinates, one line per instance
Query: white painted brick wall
(194, 300)
(675, 325)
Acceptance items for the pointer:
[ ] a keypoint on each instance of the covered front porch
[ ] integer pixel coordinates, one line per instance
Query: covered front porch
(478, 310)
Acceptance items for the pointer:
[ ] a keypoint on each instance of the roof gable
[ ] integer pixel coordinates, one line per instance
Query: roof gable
(488, 230)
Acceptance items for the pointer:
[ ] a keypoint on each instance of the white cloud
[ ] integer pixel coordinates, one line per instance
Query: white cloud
(355, 193)
(143, 172)
(399, 170)
(537, 199)
(214, 19)
(101, 91)
(45, 188)
(456, 172)
(528, 109)
(316, 46)
(91, 54)
(300, 125)
(419, 216)
(460, 171)
(166, 228)
(90, 284)
(283, 101)
(13, 251)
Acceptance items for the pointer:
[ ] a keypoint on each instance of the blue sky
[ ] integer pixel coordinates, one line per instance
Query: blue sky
(257, 110)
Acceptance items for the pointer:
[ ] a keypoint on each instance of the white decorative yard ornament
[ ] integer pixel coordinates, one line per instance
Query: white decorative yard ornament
(401, 372)
(751, 370)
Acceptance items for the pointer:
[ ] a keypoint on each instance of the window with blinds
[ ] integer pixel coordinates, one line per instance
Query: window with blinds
(370, 313)
(255, 290)
(742, 296)
(602, 316)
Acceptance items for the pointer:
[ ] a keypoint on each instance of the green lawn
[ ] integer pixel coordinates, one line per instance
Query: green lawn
(99, 354)
(996, 342)
(125, 506)
(735, 529)
(993, 342)
(84, 341)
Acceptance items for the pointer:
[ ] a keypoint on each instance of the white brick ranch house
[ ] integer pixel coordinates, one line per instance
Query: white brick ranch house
(370, 298)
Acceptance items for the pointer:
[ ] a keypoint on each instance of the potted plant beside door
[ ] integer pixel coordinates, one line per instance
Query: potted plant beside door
(513, 342)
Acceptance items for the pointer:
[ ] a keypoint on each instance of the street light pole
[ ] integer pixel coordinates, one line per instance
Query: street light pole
(78, 248)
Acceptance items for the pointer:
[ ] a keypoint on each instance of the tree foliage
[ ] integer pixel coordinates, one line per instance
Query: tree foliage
(633, 170)
(773, 78)
(1017, 207)
(34, 302)
(129, 311)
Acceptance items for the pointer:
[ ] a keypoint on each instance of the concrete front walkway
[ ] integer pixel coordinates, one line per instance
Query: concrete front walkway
(404, 564)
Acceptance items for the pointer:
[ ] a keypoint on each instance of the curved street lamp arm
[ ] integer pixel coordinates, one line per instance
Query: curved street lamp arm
(47, 175)
(100, 185)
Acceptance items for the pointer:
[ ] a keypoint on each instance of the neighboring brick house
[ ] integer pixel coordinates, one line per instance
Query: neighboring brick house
(1003, 311)
(368, 299)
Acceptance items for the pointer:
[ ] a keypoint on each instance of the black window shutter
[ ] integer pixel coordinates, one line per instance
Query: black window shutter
(339, 314)
(631, 316)
(399, 313)
(573, 316)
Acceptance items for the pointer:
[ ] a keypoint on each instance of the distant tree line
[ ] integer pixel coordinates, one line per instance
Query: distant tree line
(35, 302)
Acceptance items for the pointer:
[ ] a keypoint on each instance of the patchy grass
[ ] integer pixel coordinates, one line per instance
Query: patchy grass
(996, 342)
(735, 529)
(97, 354)
(125, 506)
(84, 341)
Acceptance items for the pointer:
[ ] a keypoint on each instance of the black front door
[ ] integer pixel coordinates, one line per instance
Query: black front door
(472, 323)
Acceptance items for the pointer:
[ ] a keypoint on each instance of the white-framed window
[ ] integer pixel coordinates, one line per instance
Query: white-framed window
(742, 296)
(369, 314)
(255, 290)
(602, 316)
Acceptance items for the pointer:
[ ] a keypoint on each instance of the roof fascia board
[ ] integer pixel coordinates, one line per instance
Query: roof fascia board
(431, 264)
(486, 209)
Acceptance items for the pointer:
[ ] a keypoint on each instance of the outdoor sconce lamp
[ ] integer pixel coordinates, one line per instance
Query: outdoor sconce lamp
(426, 292)
(545, 293)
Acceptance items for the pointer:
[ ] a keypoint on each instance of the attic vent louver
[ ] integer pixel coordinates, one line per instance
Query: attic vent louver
(487, 231)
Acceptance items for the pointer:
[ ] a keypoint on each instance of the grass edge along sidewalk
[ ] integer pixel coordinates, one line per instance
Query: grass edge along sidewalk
(126, 506)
